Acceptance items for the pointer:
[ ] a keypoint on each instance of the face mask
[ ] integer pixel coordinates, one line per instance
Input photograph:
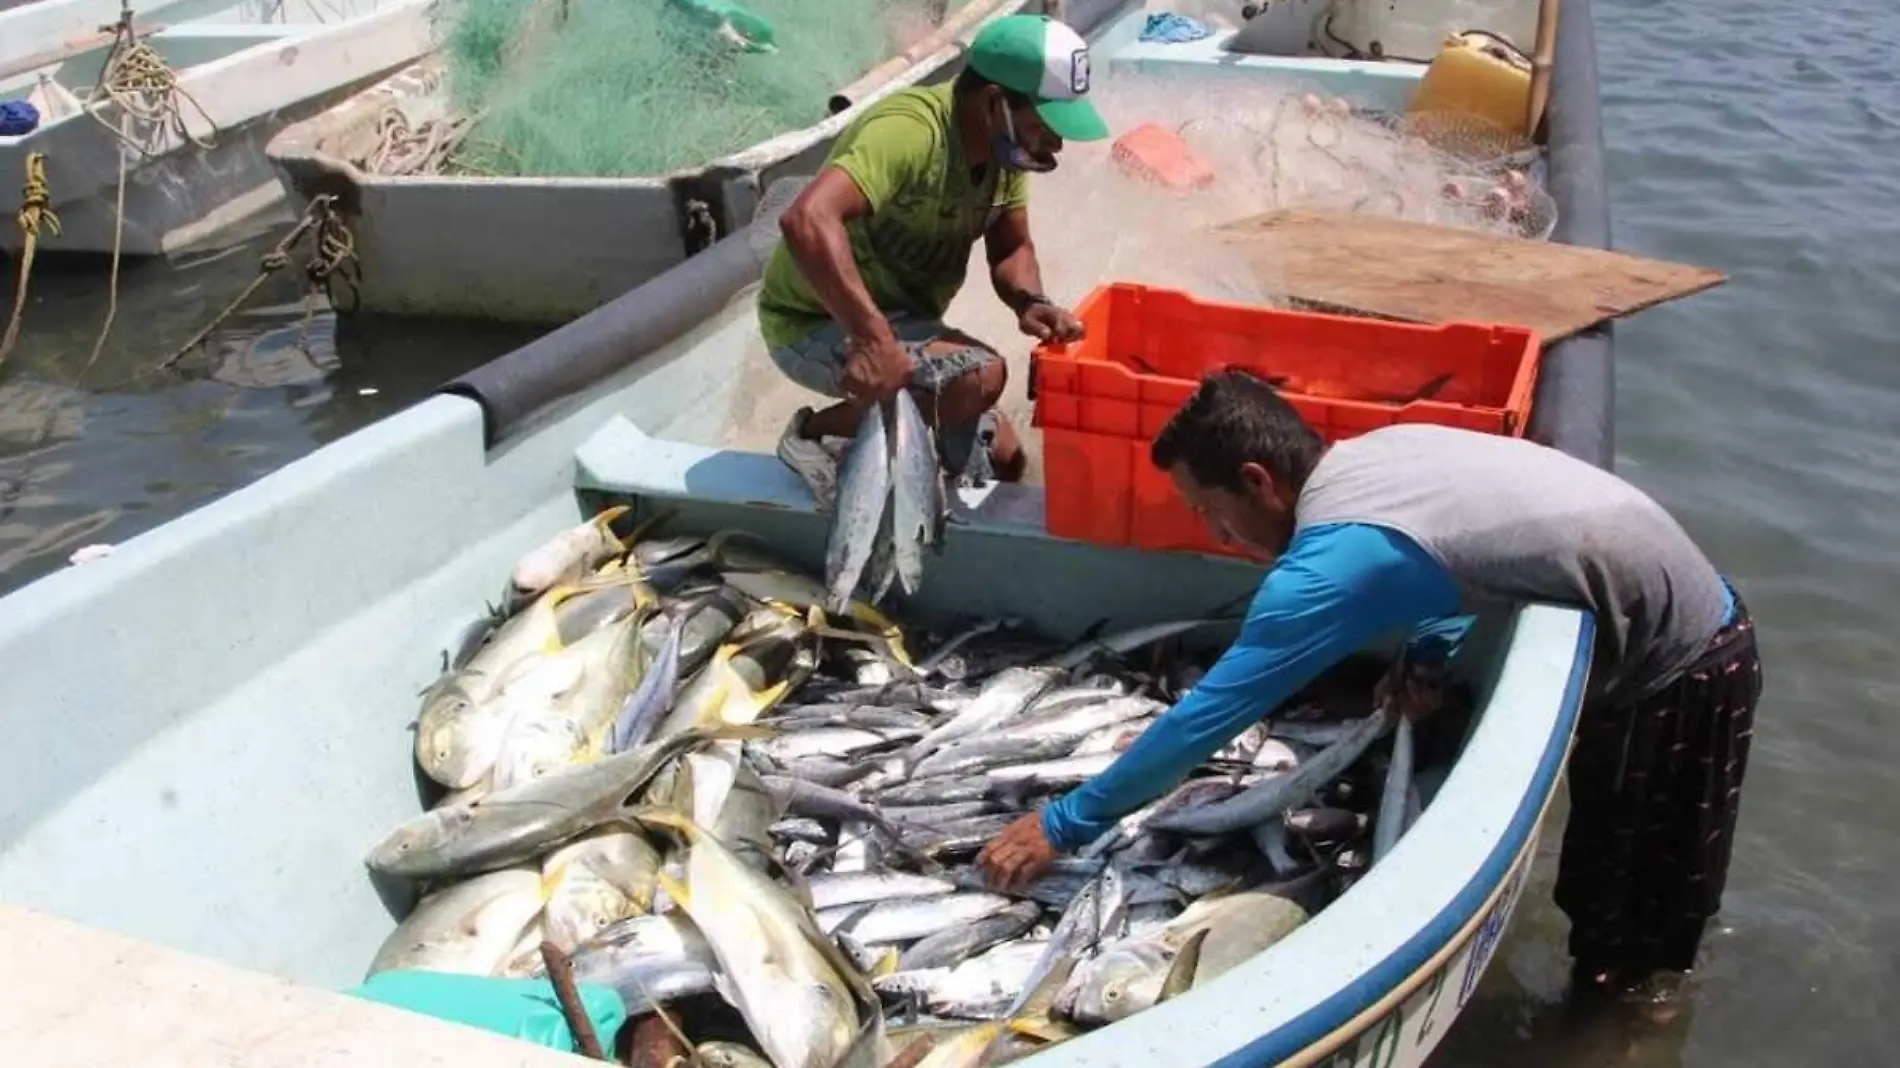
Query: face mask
(1010, 153)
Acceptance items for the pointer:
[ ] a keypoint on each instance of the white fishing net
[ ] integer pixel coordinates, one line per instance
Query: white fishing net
(1271, 145)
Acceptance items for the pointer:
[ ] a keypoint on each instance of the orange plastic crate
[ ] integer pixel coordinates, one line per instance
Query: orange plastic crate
(1101, 401)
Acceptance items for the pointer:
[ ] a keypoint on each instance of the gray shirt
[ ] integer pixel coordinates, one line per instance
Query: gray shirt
(1512, 520)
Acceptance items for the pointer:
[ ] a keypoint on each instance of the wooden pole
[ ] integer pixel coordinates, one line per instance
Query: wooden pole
(1543, 58)
(561, 974)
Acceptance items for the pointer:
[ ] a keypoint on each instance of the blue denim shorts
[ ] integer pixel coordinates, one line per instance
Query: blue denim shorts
(816, 362)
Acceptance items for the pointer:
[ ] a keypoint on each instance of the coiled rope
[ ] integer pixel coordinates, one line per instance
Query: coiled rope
(145, 90)
(36, 211)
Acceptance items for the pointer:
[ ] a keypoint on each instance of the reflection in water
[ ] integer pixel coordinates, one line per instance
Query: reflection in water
(100, 450)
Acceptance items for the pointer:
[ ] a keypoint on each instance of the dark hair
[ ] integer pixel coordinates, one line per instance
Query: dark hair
(969, 81)
(1238, 418)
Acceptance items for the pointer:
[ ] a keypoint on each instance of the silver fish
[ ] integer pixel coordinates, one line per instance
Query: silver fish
(1074, 722)
(595, 881)
(916, 492)
(800, 829)
(711, 614)
(1001, 699)
(1099, 911)
(954, 945)
(825, 771)
(810, 799)
(864, 483)
(470, 927)
(977, 754)
(934, 815)
(871, 717)
(903, 919)
(1049, 775)
(983, 987)
(654, 696)
(837, 743)
(801, 999)
(649, 960)
(928, 791)
(512, 825)
(835, 889)
(1123, 980)
(1129, 640)
(1271, 798)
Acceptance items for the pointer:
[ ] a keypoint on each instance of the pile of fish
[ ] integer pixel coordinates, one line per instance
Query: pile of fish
(667, 759)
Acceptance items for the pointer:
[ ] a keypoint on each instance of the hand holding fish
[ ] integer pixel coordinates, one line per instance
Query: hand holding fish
(1047, 322)
(875, 368)
(1019, 856)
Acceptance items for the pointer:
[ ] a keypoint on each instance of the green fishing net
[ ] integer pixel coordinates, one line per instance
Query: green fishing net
(616, 88)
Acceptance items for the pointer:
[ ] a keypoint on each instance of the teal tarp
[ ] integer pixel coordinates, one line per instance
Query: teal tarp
(519, 1008)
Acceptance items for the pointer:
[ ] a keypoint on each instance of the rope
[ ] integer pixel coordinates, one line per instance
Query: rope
(146, 91)
(36, 210)
(402, 149)
(334, 256)
(137, 79)
(112, 280)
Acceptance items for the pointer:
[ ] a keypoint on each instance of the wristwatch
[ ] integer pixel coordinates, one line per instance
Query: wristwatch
(1030, 300)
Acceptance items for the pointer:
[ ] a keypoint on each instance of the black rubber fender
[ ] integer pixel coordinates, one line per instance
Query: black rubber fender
(1574, 408)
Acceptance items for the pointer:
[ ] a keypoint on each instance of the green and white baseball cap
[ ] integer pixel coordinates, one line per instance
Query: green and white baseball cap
(1047, 62)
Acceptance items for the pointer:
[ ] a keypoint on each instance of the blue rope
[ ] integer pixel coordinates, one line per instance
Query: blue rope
(1165, 27)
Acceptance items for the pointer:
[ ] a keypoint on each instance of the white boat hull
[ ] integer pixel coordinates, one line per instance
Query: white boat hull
(177, 192)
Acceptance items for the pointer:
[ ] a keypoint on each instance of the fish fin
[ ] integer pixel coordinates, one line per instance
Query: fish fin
(1187, 961)
(677, 891)
(886, 964)
(604, 522)
(870, 1047)
(1043, 1028)
(1043, 997)
(551, 882)
(867, 999)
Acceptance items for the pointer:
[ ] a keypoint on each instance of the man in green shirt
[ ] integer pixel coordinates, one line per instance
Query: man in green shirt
(877, 246)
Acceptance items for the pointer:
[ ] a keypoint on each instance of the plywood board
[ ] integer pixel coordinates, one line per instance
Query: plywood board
(1422, 273)
(83, 997)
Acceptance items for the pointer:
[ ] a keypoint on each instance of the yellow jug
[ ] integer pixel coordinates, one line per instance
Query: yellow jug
(1477, 75)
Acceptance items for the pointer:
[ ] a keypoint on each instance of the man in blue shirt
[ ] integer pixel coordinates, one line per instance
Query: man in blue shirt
(1408, 527)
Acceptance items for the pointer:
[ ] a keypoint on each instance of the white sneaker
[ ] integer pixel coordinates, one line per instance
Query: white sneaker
(811, 461)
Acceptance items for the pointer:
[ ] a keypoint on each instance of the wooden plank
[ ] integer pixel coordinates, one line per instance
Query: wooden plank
(83, 997)
(1422, 273)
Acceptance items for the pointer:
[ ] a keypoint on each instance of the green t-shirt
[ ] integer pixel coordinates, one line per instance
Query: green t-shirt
(927, 211)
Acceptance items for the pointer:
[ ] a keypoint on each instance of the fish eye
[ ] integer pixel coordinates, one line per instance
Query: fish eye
(1113, 993)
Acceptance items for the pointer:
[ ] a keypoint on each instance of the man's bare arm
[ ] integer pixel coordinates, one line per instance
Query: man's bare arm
(815, 235)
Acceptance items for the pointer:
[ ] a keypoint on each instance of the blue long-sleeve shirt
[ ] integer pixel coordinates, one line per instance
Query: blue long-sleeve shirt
(1336, 588)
